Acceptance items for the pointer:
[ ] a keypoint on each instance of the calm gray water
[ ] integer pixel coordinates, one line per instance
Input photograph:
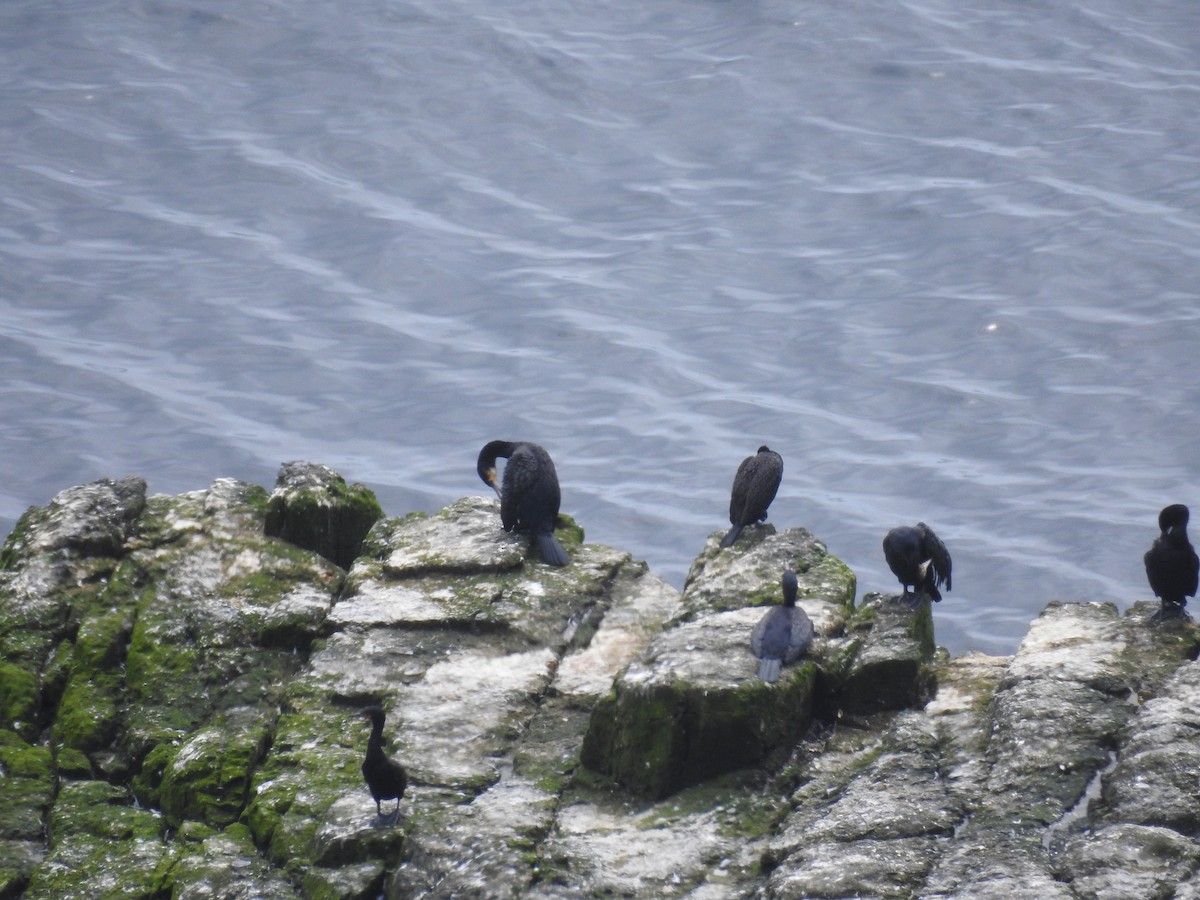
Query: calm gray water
(944, 257)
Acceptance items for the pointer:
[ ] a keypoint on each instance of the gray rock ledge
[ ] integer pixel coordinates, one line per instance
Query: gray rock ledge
(179, 688)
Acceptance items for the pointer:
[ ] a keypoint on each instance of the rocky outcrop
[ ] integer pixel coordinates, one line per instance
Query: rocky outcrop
(180, 681)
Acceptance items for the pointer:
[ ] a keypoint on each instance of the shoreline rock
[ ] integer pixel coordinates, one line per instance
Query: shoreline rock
(179, 690)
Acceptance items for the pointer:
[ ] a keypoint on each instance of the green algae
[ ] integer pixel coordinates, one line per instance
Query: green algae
(86, 868)
(101, 845)
(208, 778)
(223, 864)
(16, 546)
(27, 788)
(23, 760)
(332, 518)
(313, 760)
(88, 716)
(100, 810)
(19, 696)
(148, 780)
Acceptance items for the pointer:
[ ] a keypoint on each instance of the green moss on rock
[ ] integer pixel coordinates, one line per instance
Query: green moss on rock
(15, 548)
(88, 716)
(313, 507)
(207, 779)
(655, 739)
(18, 696)
(86, 868)
(100, 810)
(313, 760)
(26, 788)
(223, 864)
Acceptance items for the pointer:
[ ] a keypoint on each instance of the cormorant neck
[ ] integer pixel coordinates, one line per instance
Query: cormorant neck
(790, 586)
(492, 451)
(375, 741)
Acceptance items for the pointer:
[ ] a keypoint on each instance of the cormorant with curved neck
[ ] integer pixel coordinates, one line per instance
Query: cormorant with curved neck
(385, 777)
(529, 494)
(918, 558)
(1171, 563)
(783, 634)
(754, 488)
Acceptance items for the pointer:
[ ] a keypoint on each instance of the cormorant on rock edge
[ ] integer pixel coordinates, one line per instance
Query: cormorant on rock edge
(529, 493)
(917, 557)
(754, 488)
(1172, 567)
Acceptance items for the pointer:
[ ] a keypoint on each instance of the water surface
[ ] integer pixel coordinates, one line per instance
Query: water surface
(942, 257)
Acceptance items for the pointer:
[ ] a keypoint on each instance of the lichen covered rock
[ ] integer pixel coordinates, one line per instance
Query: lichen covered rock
(313, 507)
(692, 707)
(180, 696)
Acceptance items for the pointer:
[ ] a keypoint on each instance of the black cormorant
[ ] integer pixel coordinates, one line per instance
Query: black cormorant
(754, 488)
(782, 635)
(918, 558)
(1171, 563)
(385, 777)
(529, 494)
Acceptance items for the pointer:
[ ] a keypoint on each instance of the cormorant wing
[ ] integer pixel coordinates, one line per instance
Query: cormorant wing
(939, 556)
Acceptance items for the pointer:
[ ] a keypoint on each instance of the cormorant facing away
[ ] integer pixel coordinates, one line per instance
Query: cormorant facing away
(385, 777)
(754, 488)
(782, 634)
(918, 558)
(1171, 563)
(529, 494)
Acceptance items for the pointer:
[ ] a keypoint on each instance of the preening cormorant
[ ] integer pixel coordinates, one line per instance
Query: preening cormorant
(385, 777)
(529, 494)
(782, 635)
(919, 559)
(754, 488)
(1171, 563)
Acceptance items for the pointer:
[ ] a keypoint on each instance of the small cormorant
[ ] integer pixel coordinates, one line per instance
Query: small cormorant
(529, 494)
(919, 559)
(1171, 563)
(782, 635)
(754, 488)
(385, 777)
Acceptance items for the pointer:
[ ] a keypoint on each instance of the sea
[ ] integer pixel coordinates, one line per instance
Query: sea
(943, 256)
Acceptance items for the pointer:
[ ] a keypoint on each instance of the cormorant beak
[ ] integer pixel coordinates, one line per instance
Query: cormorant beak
(491, 479)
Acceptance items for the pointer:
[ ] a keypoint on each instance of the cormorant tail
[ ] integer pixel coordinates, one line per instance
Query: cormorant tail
(768, 670)
(551, 550)
(731, 536)
(928, 588)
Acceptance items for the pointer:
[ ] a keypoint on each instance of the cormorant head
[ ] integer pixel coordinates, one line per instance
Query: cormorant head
(764, 449)
(489, 478)
(1173, 517)
(486, 465)
(374, 714)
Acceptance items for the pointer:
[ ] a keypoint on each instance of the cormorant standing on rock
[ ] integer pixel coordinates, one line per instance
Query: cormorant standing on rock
(385, 777)
(754, 488)
(918, 557)
(1171, 563)
(529, 494)
(782, 635)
